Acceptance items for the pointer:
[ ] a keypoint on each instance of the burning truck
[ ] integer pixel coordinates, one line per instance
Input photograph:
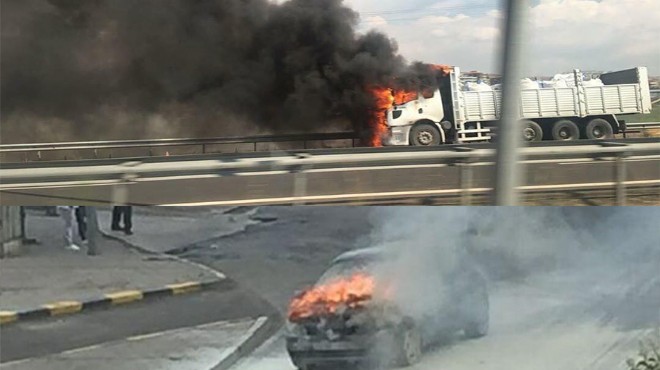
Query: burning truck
(362, 311)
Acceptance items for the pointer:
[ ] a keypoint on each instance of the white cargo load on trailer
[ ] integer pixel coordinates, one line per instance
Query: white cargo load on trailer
(583, 106)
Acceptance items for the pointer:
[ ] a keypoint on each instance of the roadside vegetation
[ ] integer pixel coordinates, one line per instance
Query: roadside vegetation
(654, 116)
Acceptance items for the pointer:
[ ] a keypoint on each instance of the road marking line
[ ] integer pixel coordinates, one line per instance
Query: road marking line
(8, 316)
(63, 307)
(111, 342)
(361, 196)
(146, 336)
(125, 296)
(609, 160)
(588, 185)
(186, 287)
(54, 184)
(177, 330)
(81, 349)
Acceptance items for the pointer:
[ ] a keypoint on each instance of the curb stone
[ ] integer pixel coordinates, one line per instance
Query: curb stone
(261, 330)
(219, 275)
(116, 298)
(108, 300)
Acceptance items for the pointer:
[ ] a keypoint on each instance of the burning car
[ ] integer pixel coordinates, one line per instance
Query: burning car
(362, 311)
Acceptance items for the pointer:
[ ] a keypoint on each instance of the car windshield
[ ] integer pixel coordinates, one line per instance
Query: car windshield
(346, 268)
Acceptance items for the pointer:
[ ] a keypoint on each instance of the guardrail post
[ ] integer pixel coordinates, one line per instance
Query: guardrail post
(465, 175)
(300, 181)
(203, 148)
(466, 181)
(620, 169)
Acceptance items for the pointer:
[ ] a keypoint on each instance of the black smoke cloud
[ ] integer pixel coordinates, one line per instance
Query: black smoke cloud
(154, 68)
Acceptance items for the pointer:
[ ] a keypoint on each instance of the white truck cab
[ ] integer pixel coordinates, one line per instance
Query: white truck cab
(424, 110)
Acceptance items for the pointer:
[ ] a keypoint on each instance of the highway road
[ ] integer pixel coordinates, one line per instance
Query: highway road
(176, 182)
(584, 310)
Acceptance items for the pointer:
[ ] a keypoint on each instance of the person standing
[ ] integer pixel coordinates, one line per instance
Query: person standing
(81, 219)
(67, 214)
(125, 212)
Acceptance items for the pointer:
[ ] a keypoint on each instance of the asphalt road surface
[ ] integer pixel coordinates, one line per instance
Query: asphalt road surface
(539, 324)
(589, 314)
(37, 338)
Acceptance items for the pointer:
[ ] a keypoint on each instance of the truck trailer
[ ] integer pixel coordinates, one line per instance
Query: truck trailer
(447, 114)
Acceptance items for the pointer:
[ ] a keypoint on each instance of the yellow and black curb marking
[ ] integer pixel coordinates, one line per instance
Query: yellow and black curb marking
(108, 300)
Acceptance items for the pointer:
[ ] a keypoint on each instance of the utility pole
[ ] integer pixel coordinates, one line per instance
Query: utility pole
(509, 138)
(92, 231)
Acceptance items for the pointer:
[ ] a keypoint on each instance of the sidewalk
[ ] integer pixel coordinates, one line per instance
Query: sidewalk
(160, 230)
(214, 346)
(48, 273)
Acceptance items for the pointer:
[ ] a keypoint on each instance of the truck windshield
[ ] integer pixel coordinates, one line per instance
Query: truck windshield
(402, 96)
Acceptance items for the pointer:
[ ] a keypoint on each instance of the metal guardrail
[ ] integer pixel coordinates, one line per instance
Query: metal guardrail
(159, 174)
(642, 125)
(293, 163)
(154, 143)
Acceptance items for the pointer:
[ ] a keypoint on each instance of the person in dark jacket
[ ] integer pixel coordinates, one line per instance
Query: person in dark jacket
(126, 212)
(81, 220)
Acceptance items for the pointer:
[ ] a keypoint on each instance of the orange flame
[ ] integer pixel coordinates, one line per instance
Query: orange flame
(385, 98)
(326, 299)
(442, 67)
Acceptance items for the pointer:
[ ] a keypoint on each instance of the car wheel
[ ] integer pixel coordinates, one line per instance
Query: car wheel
(425, 134)
(409, 345)
(598, 129)
(478, 324)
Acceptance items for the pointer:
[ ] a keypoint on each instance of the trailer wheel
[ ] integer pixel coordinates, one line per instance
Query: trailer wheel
(424, 134)
(532, 131)
(597, 129)
(565, 130)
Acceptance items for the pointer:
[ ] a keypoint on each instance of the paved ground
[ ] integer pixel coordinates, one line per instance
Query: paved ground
(587, 314)
(46, 272)
(165, 350)
(580, 311)
(288, 251)
(537, 324)
(30, 339)
(130, 336)
(161, 230)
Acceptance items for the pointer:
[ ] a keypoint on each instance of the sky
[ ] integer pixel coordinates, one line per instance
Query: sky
(598, 35)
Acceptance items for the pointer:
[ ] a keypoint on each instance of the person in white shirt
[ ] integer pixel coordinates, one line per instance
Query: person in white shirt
(68, 213)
